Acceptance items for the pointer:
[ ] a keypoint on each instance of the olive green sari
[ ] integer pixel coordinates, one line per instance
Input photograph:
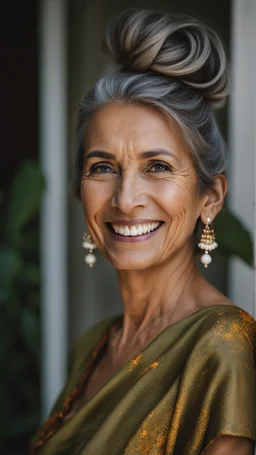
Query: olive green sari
(196, 380)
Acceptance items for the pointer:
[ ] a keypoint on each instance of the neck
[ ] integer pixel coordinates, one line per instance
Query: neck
(159, 295)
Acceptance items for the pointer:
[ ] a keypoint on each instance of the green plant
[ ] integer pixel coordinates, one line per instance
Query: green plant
(233, 237)
(20, 307)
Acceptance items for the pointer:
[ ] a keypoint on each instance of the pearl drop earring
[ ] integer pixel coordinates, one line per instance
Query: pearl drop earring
(90, 258)
(207, 243)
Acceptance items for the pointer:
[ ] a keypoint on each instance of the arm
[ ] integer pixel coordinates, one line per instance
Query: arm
(226, 445)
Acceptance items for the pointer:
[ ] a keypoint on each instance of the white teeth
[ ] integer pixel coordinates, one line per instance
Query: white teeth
(126, 231)
(134, 231)
(145, 229)
(115, 227)
(139, 230)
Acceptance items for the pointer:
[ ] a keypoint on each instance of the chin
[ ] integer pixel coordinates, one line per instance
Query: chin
(132, 262)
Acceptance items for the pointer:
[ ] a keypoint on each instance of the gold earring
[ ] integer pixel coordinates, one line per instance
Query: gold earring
(207, 243)
(90, 258)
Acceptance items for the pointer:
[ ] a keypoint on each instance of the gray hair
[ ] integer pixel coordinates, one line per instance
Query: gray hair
(174, 64)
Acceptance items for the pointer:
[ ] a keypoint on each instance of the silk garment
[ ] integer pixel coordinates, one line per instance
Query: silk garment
(195, 381)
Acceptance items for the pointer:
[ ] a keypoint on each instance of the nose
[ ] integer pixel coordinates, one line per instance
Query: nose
(129, 193)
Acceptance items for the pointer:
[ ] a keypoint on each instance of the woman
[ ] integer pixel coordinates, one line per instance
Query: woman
(176, 373)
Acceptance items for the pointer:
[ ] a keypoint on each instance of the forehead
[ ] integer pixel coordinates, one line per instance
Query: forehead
(133, 126)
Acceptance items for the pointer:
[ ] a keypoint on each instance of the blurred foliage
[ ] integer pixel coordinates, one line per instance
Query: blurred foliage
(233, 238)
(20, 308)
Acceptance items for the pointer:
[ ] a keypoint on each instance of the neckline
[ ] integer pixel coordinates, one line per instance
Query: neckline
(103, 340)
(119, 318)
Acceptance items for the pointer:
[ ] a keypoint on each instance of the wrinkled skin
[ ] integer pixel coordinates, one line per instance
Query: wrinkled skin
(130, 187)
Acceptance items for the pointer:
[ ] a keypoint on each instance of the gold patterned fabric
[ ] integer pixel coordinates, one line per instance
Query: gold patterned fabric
(195, 381)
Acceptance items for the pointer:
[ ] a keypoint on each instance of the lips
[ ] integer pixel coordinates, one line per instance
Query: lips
(135, 229)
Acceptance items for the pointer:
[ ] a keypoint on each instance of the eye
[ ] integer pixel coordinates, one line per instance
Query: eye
(159, 166)
(101, 168)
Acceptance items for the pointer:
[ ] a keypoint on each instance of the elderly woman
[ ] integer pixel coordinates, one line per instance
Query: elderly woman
(175, 374)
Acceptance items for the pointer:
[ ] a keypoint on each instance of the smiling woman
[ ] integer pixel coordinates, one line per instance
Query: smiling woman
(150, 175)
(175, 375)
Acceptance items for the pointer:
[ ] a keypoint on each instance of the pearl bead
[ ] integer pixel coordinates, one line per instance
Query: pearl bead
(206, 259)
(89, 245)
(90, 259)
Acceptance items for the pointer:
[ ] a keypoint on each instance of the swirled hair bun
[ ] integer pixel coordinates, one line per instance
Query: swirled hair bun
(175, 46)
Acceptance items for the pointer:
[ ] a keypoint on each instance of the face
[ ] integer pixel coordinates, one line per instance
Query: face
(139, 186)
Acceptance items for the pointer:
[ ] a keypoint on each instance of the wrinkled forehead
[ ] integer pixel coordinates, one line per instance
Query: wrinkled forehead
(134, 128)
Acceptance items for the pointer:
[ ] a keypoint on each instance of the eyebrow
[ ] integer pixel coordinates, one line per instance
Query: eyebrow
(152, 153)
(99, 154)
(147, 154)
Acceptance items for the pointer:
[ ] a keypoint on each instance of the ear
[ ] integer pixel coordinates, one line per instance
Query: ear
(214, 199)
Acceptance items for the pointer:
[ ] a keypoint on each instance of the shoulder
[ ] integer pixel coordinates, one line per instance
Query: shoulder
(230, 333)
(222, 318)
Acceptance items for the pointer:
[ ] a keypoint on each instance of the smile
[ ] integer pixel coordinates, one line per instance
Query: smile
(138, 230)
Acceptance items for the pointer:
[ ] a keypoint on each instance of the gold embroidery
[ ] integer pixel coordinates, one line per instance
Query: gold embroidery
(151, 439)
(242, 327)
(134, 362)
(161, 438)
(228, 336)
(248, 319)
(175, 427)
(152, 366)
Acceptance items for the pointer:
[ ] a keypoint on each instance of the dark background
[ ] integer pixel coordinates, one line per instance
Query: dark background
(19, 140)
(19, 84)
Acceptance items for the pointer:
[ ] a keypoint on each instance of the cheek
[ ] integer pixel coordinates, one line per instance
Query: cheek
(178, 202)
(95, 197)
(176, 199)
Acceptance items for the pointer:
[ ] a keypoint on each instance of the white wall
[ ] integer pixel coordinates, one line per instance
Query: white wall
(53, 231)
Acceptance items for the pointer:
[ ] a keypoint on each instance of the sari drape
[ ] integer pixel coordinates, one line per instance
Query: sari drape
(195, 381)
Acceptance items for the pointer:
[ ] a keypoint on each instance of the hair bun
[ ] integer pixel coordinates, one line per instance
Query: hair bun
(172, 45)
